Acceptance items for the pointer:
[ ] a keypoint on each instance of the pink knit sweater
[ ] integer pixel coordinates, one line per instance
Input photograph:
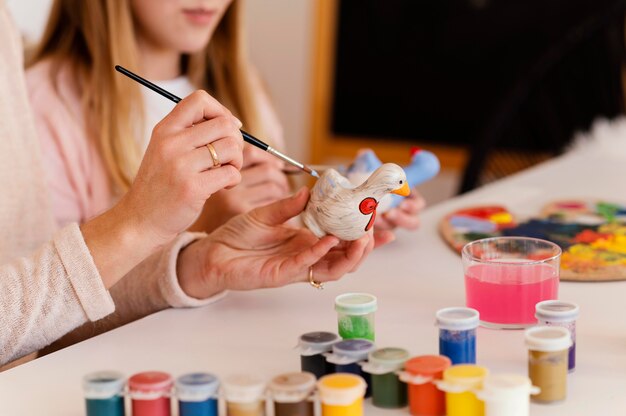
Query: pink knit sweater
(55, 286)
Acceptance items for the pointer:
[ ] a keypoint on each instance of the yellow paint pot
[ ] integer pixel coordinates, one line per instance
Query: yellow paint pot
(460, 382)
(341, 394)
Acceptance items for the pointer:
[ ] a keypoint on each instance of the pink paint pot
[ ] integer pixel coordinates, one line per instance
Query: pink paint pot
(150, 393)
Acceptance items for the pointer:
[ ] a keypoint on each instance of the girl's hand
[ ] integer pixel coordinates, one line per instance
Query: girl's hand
(262, 182)
(405, 215)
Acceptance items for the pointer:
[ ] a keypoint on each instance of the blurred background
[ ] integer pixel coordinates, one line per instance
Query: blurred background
(492, 87)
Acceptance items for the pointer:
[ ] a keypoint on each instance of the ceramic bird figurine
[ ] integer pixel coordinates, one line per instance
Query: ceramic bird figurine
(339, 208)
(424, 166)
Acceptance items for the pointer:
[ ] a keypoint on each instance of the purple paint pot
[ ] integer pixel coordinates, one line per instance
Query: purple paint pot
(563, 314)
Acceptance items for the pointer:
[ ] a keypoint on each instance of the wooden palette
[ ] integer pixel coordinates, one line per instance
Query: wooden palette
(592, 234)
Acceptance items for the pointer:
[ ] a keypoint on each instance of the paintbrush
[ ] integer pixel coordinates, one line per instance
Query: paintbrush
(246, 136)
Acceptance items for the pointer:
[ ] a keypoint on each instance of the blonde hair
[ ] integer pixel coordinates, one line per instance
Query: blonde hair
(92, 36)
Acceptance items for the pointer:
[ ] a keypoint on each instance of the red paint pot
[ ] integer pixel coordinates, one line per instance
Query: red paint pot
(425, 399)
(150, 393)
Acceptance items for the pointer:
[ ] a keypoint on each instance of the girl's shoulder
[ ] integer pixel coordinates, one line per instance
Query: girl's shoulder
(51, 85)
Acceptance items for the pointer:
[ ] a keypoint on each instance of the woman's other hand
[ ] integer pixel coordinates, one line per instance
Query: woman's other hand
(258, 250)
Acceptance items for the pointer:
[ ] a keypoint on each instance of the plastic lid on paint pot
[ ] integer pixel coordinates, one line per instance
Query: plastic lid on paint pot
(386, 360)
(547, 338)
(462, 377)
(243, 388)
(313, 343)
(150, 381)
(499, 387)
(196, 387)
(103, 385)
(458, 318)
(356, 303)
(292, 387)
(341, 389)
(424, 369)
(350, 351)
(556, 311)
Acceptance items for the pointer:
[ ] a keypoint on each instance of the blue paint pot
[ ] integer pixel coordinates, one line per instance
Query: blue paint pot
(457, 334)
(348, 355)
(197, 394)
(104, 393)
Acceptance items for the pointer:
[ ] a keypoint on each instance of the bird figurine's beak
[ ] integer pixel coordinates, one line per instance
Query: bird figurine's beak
(404, 191)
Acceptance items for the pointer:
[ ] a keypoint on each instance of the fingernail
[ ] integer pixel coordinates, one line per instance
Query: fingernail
(238, 122)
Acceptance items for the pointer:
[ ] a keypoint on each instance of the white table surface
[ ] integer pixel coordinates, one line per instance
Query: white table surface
(412, 278)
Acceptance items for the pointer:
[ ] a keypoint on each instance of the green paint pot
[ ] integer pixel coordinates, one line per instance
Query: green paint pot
(355, 315)
(387, 390)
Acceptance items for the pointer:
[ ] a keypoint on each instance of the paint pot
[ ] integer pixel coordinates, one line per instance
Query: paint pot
(355, 315)
(383, 366)
(461, 382)
(291, 394)
(347, 357)
(420, 373)
(507, 395)
(312, 346)
(104, 393)
(150, 393)
(547, 361)
(457, 334)
(197, 394)
(341, 394)
(560, 313)
(245, 395)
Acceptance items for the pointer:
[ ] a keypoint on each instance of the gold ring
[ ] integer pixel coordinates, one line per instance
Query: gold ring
(312, 282)
(216, 159)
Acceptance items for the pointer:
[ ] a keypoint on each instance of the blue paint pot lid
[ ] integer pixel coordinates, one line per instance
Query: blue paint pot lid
(457, 319)
(103, 384)
(292, 387)
(196, 387)
(556, 311)
(313, 343)
(356, 303)
(548, 338)
(350, 351)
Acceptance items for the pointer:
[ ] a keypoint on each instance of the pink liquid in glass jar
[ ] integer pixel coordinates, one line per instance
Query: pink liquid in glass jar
(506, 294)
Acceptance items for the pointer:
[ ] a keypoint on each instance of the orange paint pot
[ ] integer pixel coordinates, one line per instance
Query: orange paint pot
(425, 399)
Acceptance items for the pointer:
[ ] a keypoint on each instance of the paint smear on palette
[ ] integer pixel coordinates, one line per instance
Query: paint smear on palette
(592, 234)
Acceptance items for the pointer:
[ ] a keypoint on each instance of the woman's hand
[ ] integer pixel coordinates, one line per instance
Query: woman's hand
(177, 175)
(262, 182)
(257, 250)
(405, 215)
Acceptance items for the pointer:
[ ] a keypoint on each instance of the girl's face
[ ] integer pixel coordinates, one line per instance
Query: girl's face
(185, 26)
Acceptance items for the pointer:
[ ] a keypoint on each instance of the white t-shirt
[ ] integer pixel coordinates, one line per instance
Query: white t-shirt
(156, 106)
